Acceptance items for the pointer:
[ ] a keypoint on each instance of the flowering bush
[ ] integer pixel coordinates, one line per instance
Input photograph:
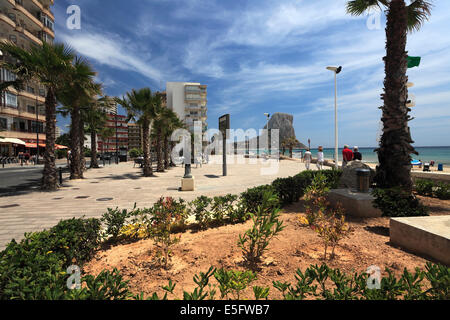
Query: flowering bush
(164, 217)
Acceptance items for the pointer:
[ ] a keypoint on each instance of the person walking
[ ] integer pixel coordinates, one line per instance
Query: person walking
(307, 157)
(356, 154)
(347, 155)
(320, 158)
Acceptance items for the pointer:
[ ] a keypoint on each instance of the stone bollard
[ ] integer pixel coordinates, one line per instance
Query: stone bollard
(188, 182)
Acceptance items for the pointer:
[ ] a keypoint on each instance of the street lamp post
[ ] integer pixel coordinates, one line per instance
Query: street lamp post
(268, 132)
(336, 71)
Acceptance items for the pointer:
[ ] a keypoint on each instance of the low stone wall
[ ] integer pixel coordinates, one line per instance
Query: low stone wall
(434, 176)
(427, 236)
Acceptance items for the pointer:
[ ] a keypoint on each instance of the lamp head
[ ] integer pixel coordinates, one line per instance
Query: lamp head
(335, 69)
(267, 115)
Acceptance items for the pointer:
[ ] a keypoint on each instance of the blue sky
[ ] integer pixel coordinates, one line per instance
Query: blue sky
(266, 56)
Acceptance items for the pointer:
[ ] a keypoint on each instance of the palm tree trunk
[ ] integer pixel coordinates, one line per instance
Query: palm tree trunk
(49, 179)
(75, 172)
(94, 162)
(166, 153)
(82, 157)
(394, 153)
(148, 170)
(159, 152)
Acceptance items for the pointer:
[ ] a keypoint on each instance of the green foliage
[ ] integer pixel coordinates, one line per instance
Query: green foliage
(424, 187)
(323, 282)
(430, 188)
(200, 209)
(442, 191)
(234, 282)
(261, 293)
(222, 207)
(266, 226)
(291, 189)
(202, 280)
(395, 202)
(164, 216)
(35, 268)
(135, 153)
(253, 198)
(115, 220)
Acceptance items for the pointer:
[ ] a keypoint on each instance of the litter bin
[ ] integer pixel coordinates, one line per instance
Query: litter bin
(440, 167)
(363, 180)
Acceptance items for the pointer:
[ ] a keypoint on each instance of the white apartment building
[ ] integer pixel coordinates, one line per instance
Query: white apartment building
(189, 101)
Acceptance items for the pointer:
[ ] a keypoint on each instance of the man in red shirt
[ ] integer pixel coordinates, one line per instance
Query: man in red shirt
(347, 154)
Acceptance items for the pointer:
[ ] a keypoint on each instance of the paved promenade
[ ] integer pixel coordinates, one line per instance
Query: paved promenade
(122, 186)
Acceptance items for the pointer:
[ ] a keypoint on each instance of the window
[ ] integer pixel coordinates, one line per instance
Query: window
(6, 75)
(31, 109)
(11, 100)
(3, 124)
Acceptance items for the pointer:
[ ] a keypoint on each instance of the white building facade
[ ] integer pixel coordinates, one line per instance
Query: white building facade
(189, 101)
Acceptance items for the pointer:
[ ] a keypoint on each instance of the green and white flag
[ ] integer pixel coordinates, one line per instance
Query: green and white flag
(413, 62)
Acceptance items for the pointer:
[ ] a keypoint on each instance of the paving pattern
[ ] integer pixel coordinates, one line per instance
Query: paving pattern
(122, 186)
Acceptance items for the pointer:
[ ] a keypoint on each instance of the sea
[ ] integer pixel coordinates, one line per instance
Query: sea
(440, 155)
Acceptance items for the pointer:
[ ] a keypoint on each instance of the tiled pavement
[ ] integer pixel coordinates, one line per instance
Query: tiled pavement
(36, 210)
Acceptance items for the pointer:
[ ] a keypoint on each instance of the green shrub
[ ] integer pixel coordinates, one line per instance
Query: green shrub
(35, 268)
(234, 282)
(266, 226)
(115, 220)
(253, 198)
(442, 191)
(199, 207)
(424, 187)
(288, 190)
(135, 153)
(222, 207)
(395, 202)
(164, 217)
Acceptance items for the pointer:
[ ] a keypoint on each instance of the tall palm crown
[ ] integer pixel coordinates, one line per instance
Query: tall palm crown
(75, 95)
(394, 152)
(48, 64)
(143, 107)
(94, 119)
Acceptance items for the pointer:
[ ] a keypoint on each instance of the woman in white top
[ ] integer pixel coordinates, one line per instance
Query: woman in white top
(320, 159)
(307, 158)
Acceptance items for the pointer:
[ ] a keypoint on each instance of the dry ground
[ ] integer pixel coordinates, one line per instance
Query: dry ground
(296, 247)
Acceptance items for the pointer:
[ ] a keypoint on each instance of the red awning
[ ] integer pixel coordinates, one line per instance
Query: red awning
(42, 145)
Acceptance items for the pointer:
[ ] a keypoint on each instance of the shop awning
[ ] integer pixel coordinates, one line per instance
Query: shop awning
(34, 145)
(42, 145)
(13, 141)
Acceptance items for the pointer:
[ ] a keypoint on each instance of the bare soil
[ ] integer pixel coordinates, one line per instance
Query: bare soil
(296, 247)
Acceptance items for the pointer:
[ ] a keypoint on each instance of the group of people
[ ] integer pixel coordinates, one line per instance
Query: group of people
(347, 153)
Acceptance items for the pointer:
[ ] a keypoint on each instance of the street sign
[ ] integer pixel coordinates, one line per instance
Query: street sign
(224, 126)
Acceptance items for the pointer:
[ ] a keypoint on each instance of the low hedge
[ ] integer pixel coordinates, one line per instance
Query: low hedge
(430, 188)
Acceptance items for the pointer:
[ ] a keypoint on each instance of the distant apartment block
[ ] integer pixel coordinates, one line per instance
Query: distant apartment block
(119, 138)
(189, 101)
(135, 136)
(26, 23)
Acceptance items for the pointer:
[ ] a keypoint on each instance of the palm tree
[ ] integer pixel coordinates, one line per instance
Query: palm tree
(290, 143)
(163, 127)
(394, 152)
(76, 95)
(105, 133)
(95, 120)
(48, 64)
(143, 107)
(173, 124)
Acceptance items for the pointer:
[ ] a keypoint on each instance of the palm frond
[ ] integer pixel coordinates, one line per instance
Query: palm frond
(359, 7)
(418, 12)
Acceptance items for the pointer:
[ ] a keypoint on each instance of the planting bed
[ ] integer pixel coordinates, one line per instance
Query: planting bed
(296, 247)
